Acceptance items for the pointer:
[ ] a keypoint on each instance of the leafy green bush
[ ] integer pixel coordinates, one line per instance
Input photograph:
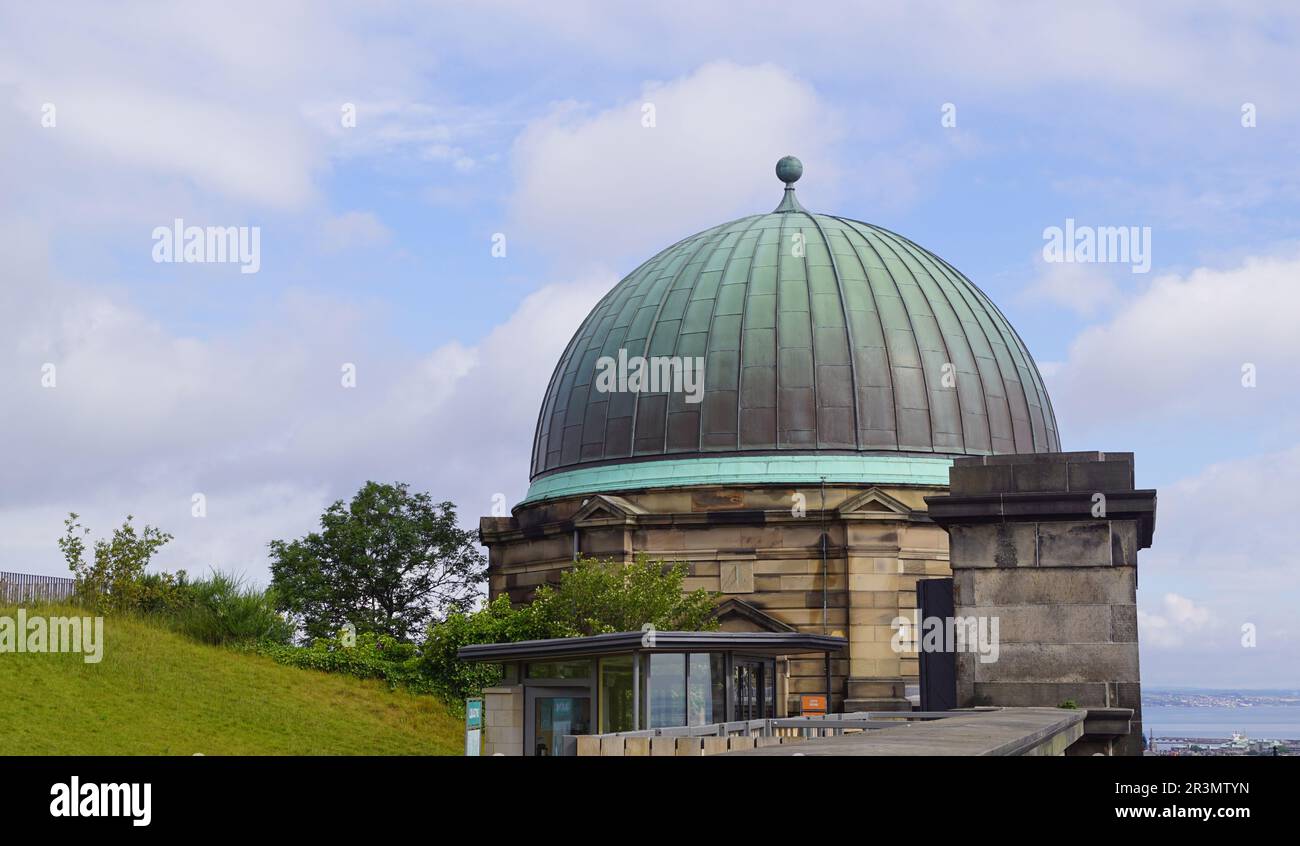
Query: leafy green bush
(372, 656)
(595, 597)
(161, 594)
(455, 680)
(113, 579)
(221, 609)
(601, 597)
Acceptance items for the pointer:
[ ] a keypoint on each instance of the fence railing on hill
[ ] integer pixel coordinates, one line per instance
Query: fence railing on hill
(29, 587)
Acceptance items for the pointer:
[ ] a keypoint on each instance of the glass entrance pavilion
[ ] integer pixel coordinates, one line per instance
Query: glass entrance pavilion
(631, 681)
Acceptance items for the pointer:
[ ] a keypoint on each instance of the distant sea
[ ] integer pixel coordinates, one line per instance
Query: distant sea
(1257, 722)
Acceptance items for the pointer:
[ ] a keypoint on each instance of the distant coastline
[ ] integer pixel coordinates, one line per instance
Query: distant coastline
(1203, 713)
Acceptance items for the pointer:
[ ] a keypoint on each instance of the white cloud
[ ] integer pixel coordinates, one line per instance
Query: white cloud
(230, 123)
(354, 229)
(1223, 557)
(1177, 618)
(256, 419)
(1179, 349)
(382, 127)
(1084, 289)
(1167, 365)
(1229, 527)
(266, 159)
(606, 183)
(989, 52)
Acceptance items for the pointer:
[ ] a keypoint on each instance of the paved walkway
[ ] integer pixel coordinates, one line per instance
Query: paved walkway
(1002, 731)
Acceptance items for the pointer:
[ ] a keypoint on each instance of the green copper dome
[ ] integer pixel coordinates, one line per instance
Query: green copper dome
(817, 335)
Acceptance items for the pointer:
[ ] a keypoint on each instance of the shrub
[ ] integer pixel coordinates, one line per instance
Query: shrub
(161, 593)
(112, 579)
(601, 597)
(372, 656)
(455, 680)
(221, 609)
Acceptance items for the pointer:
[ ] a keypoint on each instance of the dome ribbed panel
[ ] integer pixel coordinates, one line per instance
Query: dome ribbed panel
(817, 334)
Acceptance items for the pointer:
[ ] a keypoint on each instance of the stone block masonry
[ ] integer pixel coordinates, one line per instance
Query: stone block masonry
(1047, 544)
(503, 721)
(753, 547)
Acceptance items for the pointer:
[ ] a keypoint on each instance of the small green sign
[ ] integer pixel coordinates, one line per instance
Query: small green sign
(474, 713)
(473, 727)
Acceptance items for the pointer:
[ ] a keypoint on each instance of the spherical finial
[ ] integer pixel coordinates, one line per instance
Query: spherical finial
(789, 169)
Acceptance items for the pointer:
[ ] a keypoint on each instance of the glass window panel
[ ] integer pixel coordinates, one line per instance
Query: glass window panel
(718, 666)
(706, 689)
(616, 694)
(769, 689)
(560, 669)
(667, 690)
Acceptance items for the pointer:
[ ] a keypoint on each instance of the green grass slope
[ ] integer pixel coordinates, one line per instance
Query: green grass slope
(158, 693)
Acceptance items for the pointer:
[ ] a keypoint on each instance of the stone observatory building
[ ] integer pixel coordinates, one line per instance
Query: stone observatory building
(842, 368)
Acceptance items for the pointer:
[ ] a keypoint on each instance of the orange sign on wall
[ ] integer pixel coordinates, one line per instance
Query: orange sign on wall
(812, 705)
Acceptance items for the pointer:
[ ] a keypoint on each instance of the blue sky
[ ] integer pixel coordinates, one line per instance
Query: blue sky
(525, 120)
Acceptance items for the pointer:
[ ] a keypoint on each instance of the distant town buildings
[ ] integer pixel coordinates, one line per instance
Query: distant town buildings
(1239, 745)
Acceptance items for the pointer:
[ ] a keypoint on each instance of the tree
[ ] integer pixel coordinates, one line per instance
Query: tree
(387, 562)
(113, 580)
(595, 597)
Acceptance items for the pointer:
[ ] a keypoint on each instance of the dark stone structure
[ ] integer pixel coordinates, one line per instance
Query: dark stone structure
(1047, 545)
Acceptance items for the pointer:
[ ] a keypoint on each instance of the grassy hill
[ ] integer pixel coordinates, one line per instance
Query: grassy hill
(158, 693)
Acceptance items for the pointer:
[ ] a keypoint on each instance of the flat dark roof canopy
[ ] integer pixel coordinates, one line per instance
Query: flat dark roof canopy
(755, 643)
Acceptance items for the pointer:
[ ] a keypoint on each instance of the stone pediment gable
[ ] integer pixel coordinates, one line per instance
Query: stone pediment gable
(873, 503)
(739, 615)
(604, 508)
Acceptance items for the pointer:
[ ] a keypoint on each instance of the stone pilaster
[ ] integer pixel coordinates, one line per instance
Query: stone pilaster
(503, 721)
(1046, 545)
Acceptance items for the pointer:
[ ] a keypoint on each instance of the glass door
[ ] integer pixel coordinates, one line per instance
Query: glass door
(747, 682)
(754, 685)
(553, 714)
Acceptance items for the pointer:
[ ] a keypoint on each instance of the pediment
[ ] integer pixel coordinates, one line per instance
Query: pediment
(604, 507)
(873, 502)
(738, 615)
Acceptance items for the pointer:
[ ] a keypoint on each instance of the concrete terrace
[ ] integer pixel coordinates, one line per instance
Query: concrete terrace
(998, 731)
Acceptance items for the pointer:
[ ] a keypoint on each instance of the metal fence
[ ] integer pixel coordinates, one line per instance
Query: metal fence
(28, 587)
